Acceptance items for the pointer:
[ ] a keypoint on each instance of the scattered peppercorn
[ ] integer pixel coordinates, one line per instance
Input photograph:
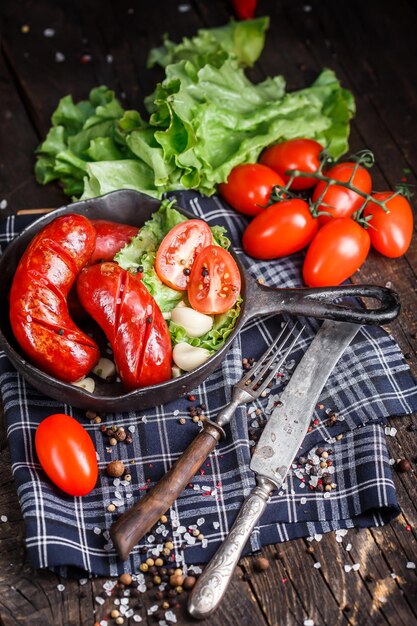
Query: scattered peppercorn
(112, 441)
(111, 508)
(128, 439)
(189, 582)
(261, 564)
(402, 466)
(115, 469)
(125, 579)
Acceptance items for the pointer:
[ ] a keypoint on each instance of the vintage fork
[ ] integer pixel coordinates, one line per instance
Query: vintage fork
(132, 525)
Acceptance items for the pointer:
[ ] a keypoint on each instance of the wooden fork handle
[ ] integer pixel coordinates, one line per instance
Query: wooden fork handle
(132, 525)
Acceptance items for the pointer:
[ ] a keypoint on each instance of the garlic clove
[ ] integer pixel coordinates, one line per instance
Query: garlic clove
(194, 323)
(88, 384)
(105, 369)
(175, 371)
(189, 357)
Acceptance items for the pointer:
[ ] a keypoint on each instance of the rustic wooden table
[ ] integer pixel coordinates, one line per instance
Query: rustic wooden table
(373, 48)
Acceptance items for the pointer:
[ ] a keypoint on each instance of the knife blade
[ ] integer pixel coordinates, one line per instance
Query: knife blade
(273, 456)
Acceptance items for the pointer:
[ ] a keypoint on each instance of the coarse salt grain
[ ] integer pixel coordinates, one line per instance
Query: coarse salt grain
(103, 622)
(4, 518)
(152, 609)
(3, 204)
(308, 622)
(317, 565)
(318, 537)
(59, 57)
(83, 581)
(200, 521)
(216, 525)
(339, 539)
(97, 531)
(171, 617)
(49, 32)
(137, 618)
(356, 567)
(109, 58)
(183, 8)
(348, 547)
(99, 600)
(347, 568)
(411, 565)
(131, 429)
(303, 500)
(60, 587)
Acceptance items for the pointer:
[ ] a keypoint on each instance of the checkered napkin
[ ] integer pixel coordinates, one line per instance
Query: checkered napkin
(370, 382)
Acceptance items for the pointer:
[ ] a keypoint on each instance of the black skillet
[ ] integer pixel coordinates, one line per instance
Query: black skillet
(135, 208)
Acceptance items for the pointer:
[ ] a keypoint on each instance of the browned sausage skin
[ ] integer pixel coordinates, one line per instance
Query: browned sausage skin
(38, 299)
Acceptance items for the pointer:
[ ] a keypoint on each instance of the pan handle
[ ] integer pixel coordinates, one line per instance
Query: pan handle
(322, 302)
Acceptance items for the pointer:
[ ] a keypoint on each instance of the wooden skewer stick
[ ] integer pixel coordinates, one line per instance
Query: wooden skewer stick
(33, 211)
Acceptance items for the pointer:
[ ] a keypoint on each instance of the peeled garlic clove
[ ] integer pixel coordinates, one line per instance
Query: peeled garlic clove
(88, 384)
(104, 369)
(175, 371)
(194, 323)
(188, 357)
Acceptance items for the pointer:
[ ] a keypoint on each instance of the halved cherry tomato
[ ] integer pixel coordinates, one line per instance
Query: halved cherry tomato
(249, 187)
(336, 252)
(390, 232)
(176, 254)
(281, 229)
(337, 200)
(67, 454)
(294, 154)
(215, 281)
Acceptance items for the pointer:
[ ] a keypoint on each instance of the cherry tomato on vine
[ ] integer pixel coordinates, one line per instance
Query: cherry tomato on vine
(283, 228)
(249, 187)
(67, 454)
(390, 231)
(215, 281)
(337, 200)
(336, 252)
(294, 154)
(178, 249)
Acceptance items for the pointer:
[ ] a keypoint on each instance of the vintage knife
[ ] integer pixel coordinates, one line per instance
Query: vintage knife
(274, 454)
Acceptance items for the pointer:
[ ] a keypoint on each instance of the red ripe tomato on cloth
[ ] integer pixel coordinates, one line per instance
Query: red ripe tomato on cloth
(67, 454)
(294, 154)
(340, 201)
(336, 252)
(283, 228)
(249, 187)
(390, 231)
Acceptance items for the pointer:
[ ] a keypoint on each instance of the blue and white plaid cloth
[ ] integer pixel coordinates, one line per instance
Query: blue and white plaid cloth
(371, 382)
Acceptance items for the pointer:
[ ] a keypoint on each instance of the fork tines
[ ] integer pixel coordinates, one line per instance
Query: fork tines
(261, 374)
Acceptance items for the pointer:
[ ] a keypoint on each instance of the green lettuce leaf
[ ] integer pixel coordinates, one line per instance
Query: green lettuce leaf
(205, 117)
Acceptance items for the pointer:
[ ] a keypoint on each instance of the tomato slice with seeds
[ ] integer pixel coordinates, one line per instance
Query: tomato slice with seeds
(176, 254)
(215, 281)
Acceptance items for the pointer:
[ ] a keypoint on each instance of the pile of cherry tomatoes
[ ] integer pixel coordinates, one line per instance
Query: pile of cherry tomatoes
(338, 222)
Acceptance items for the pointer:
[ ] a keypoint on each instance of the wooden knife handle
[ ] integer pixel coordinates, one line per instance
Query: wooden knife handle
(132, 525)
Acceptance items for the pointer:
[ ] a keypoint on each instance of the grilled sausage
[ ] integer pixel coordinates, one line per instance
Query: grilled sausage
(132, 322)
(38, 299)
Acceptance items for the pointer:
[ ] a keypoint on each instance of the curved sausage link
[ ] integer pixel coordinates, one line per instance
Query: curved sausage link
(111, 237)
(132, 322)
(38, 299)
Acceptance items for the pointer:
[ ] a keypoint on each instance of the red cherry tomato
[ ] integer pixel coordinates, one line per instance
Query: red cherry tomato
(294, 154)
(390, 232)
(281, 229)
(215, 282)
(244, 9)
(337, 200)
(178, 250)
(336, 252)
(249, 187)
(67, 454)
